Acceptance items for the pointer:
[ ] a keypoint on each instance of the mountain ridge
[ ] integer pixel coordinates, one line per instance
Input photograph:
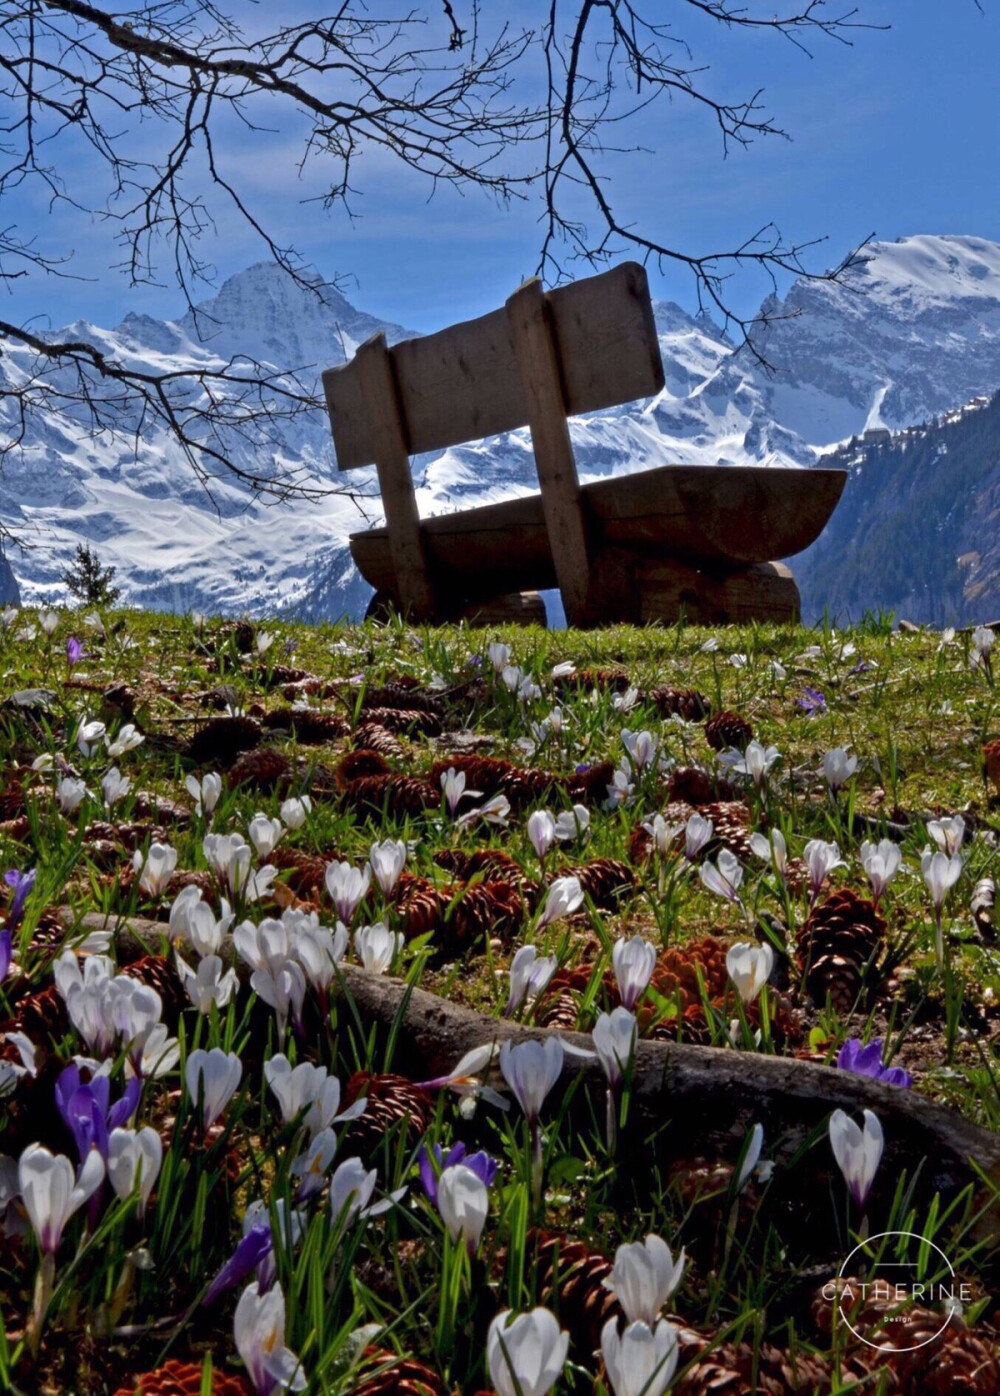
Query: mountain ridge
(912, 331)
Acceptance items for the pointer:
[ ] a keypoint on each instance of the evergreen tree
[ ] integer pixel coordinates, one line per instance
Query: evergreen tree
(88, 581)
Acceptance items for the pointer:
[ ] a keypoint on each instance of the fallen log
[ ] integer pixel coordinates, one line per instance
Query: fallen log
(686, 1101)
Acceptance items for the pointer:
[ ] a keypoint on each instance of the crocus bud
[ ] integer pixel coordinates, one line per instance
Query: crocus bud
(642, 1360)
(541, 830)
(615, 1035)
(565, 895)
(156, 869)
(531, 1069)
(838, 767)
(662, 834)
(351, 1188)
(820, 859)
(526, 1355)
(749, 967)
(214, 1076)
(857, 1152)
(295, 810)
(499, 656)
(134, 1159)
(114, 786)
(205, 792)
(940, 874)
(641, 747)
(259, 1330)
(463, 1200)
(697, 832)
(348, 887)
(529, 975)
(387, 861)
(264, 834)
(633, 962)
(376, 947)
(643, 1278)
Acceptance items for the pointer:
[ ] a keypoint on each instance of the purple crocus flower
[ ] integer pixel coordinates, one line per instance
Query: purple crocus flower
(254, 1247)
(21, 884)
(862, 667)
(484, 1167)
(5, 953)
(87, 1111)
(813, 701)
(74, 651)
(867, 1061)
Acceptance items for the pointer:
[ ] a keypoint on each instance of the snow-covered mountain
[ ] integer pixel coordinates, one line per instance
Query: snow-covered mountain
(911, 331)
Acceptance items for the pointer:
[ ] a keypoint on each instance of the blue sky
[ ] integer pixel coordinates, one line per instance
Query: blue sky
(897, 134)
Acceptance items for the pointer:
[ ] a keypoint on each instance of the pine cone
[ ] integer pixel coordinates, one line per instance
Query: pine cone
(306, 871)
(398, 1376)
(372, 736)
(678, 702)
(991, 761)
(406, 693)
(730, 828)
(605, 881)
(559, 1006)
(493, 863)
(185, 1379)
(42, 1016)
(12, 804)
(610, 680)
(222, 739)
(265, 769)
(697, 787)
(570, 1281)
(484, 910)
(394, 1103)
(838, 947)
(728, 729)
(308, 727)
(963, 1362)
(405, 720)
(49, 932)
(398, 797)
(677, 970)
(491, 775)
(589, 784)
(363, 761)
(159, 809)
(420, 904)
(243, 635)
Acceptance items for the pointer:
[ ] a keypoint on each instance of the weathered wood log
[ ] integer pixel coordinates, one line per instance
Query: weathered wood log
(686, 1100)
(513, 608)
(724, 516)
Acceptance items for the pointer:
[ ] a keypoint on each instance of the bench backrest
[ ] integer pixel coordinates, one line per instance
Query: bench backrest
(464, 383)
(542, 358)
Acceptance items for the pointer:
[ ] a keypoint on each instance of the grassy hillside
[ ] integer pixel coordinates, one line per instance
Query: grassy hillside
(327, 741)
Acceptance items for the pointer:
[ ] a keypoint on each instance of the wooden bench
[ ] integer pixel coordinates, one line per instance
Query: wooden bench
(650, 546)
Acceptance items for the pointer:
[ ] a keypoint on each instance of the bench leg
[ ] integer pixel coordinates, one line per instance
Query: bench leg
(764, 592)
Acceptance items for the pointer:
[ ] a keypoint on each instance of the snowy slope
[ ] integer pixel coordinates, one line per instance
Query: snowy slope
(912, 331)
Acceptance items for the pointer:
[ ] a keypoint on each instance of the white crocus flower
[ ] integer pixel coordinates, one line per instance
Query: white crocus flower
(857, 1151)
(749, 967)
(641, 747)
(641, 1361)
(463, 1201)
(52, 1191)
(210, 984)
(259, 1331)
(453, 788)
(205, 792)
(156, 868)
(295, 810)
(347, 887)
(526, 1354)
(750, 1157)
(351, 1189)
(643, 1278)
(134, 1160)
(265, 834)
(499, 656)
(756, 762)
(129, 737)
(948, 834)
(90, 735)
(697, 834)
(772, 850)
(541, 831)
(319, 950)
(49, 622)
(114, 786)
(387, 860)
(565, 895)
(376, 947)
(820, 859)
(70, 793)
(214, 1077)
(310, 1089)
(529, 976)
(571, 824)
(531, 1069)
(633, 962)
(615, 1036)
(838, 768)
(881, 862)
(724, 876)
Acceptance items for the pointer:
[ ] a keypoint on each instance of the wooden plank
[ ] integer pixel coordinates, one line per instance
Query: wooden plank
(462, 383)
(411, 574)
(668, 589)
(506, 545)
(565, 524)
